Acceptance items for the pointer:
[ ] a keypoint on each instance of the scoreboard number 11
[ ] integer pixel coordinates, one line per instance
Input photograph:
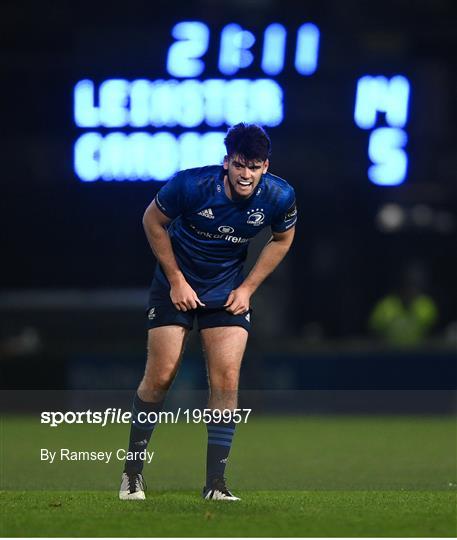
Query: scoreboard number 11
(184, 58)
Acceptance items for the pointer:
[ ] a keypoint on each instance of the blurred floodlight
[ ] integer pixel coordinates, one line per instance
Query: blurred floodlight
(422, 215)
(390, 218)
(307, 51)
(390, 162)
(183, 58)
(380, 94)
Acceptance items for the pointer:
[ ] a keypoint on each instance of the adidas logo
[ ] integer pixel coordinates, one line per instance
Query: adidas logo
(144, 442)
(248, 317)
(207, 213)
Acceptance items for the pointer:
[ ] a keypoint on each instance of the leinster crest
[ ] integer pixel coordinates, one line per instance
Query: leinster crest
(256, 217)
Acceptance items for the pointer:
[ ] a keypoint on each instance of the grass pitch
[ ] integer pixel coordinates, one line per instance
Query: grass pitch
(297, 476)
(260, 513)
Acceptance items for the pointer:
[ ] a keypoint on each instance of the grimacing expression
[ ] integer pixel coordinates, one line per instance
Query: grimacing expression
(244, 176)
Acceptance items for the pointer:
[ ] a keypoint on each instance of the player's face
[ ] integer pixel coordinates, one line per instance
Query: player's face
(243, 176)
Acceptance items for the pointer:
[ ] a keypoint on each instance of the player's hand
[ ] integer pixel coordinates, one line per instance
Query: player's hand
(184, 297)
(238, 301)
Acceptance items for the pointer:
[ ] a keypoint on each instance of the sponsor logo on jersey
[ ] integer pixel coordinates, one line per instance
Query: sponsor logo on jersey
(152, 313)
(226, 229)
(215, 236)
(207, 213)
(291, 213)
(248, 317)
(256, 217)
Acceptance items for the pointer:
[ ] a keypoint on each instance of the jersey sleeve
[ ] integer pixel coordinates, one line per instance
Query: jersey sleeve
(286, 217)
(172, 197)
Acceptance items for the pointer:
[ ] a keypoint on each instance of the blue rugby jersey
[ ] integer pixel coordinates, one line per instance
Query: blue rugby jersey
(210, 233)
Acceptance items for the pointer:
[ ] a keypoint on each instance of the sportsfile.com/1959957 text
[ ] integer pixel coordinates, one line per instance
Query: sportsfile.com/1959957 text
(117, 416)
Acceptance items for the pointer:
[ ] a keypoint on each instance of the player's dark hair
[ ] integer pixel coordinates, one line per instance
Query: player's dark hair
(249, 141)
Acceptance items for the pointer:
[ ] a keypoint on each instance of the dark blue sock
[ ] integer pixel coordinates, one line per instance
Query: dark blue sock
(140, 432)
(220, 435)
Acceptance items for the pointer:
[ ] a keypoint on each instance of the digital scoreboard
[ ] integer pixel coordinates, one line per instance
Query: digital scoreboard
(148, 129)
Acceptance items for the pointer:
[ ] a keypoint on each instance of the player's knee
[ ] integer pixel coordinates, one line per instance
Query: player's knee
(158, 382)
(226, 381)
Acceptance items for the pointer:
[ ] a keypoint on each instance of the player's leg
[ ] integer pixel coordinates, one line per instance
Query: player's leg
(224, 348)
(164, 352)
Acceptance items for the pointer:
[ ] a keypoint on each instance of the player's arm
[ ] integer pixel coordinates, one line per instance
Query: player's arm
(155, 225)
(270, 256)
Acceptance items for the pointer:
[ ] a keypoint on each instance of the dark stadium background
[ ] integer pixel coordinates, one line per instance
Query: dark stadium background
(75, 261)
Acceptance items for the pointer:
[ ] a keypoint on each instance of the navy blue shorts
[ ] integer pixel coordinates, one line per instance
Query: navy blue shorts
(162, 312)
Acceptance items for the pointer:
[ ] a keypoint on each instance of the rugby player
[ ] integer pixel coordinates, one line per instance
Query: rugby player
(199, 226)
